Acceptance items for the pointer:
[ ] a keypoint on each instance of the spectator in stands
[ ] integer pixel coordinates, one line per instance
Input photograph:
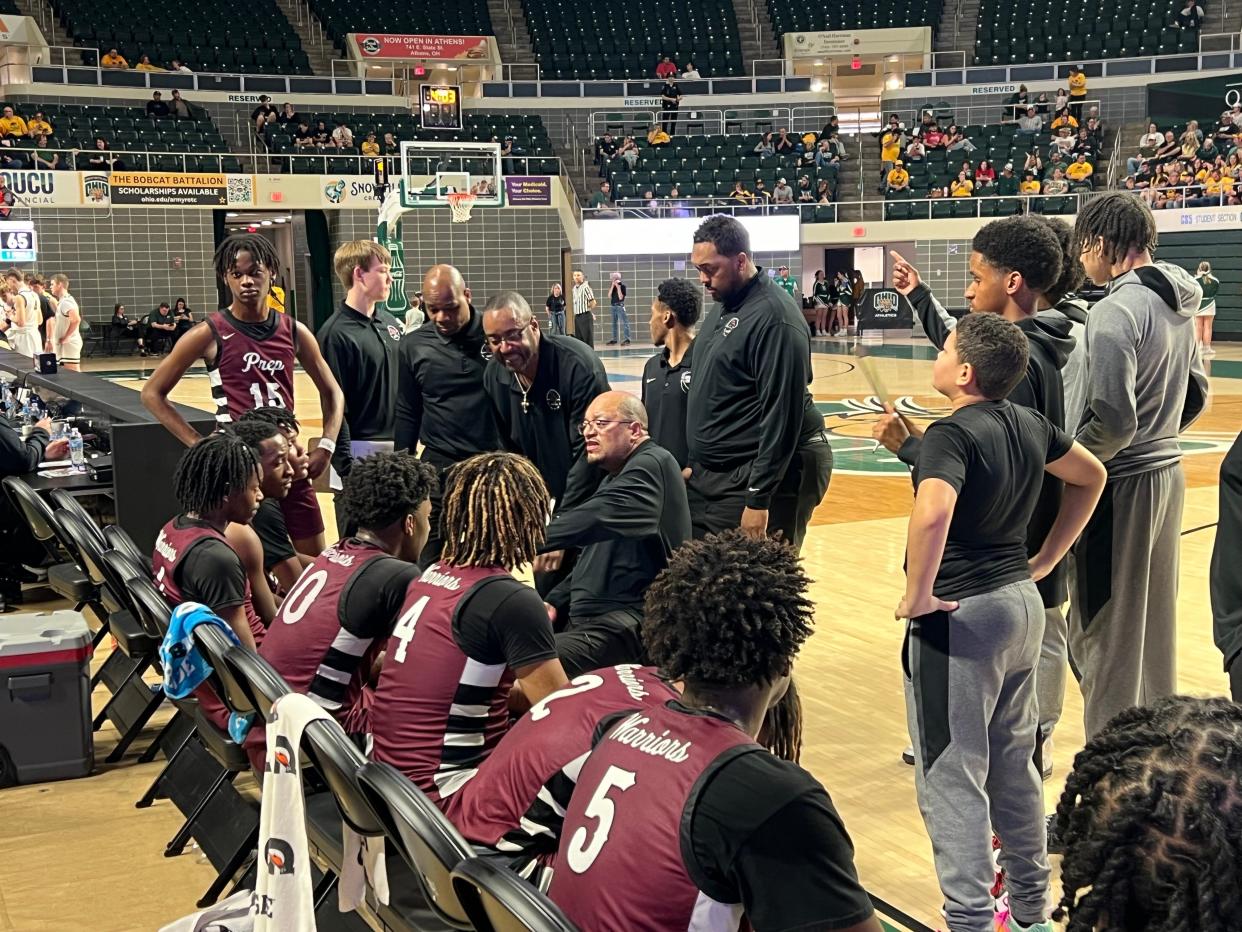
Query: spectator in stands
(898, 178)
(1063, 117)
(1169, 149)
(670, 102)
(262, 110)
(1077, 91)
(783, 144)
(1225, 130)
(691, 73)
(605, 148)
(933, 138)
(304, 137)
(180, 108)
(1030, 124)
(144, 64)
(762, 194)
(45, 157)
(891, 140)
(1208, 152)
(1095, 132)
(823, 192)
(782, 193)
(962, 186)
(956, 141)
(343, 136)
(603, 197)
(102, 158)
(158, 330)
(765, 146)
(114, 60)
(1030, 184)
(12, 125)
(179, 66)
(629, 152)
(1079, 172)
(10, 157)
(740, 194)
(323, 135)
(1033, 163)
(1215, 189)
(38, 125)
(833, 127)
(1190, 16)
(288, 115)
(985, 173)
(805, 193)
(824, 154)
(1084, 142)
(1062, 142)
(1007, 183)
(1056, 160)
(1062, 101)
(390, 145)
(1190, 141)
(1236, 112)
(666, 68)
(370, 148)
(916, 151)
(156, 108)
(1057, 184)
(657, 137)
(1148, 143)
(1042, 104)
(1017, 104)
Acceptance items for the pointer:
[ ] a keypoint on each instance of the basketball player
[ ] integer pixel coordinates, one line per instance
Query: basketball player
(976, 621)
(627, 529)
(468, 631)
(666, 376)
(440, 397)
(1145, 385)
(359, 344)
(47, 307)
(332, 626)
(66, 337)
(250, 352)
(270, 523)
(25, 315)
(216, 482)
(680, 819)
(758, 454)
(263, 544)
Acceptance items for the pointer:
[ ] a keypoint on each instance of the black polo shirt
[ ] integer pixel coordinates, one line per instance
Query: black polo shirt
(665, 391)
(545, 431)
(440, 395)
(748, 402)
(362, 351)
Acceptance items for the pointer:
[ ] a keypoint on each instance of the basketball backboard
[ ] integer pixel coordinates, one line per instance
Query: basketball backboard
(431, 171)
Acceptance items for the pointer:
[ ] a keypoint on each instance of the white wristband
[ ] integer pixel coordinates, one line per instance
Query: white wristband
(326, 444)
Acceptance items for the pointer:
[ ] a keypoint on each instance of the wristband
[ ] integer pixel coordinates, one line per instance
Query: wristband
(326, 444)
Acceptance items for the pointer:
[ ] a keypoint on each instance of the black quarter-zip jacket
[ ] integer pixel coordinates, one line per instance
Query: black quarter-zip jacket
(748, 400)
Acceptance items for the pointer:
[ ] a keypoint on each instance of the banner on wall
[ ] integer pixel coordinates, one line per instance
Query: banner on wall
(435, 48)
(884, 309)
(168, 189)
(528, 191)
(43, 188)
(913, 40)
(1198, 218)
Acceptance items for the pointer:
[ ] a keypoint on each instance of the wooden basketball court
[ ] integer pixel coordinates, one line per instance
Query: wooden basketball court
(77, 855)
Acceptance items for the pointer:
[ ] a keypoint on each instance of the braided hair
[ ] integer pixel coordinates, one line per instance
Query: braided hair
(259, 247)
(496, 507)
(1122, 221)
(1072, 273)
(211, 470)
(1151, 818)
(782, 726)
(273, 414)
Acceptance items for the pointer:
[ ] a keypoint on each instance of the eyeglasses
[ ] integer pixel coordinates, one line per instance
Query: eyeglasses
(509, 336)
(599, 424)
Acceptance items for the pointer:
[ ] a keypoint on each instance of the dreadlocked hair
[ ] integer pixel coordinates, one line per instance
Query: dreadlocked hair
(728, 611)
(1151, 818)
(782, 726)
(496, 507)
(259, 247)
(1072, 272)
(383, 488)
(1122, 221)
(211, 470)
(273, 414)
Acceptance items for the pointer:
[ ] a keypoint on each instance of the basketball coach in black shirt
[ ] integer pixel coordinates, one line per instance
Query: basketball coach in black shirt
(758, 453)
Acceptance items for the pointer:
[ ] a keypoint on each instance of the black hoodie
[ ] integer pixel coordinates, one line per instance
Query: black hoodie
(1041, 389)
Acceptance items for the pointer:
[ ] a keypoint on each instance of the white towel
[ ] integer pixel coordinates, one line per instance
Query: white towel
(363, 862)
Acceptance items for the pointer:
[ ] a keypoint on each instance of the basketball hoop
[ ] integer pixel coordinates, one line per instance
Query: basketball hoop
(461, 205)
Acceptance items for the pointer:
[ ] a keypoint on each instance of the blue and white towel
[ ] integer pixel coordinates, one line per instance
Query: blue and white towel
(185, 668)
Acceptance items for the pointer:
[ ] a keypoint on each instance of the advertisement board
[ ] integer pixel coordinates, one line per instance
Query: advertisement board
(437, 48)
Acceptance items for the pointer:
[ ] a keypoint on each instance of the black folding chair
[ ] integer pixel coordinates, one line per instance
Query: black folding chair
(498, 900)
(118, 539)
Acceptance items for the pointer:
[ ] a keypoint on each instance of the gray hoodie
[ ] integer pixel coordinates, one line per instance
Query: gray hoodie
(1145, 380)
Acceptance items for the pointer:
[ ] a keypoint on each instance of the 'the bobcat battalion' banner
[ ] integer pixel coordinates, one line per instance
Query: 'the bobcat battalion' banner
(432, 48)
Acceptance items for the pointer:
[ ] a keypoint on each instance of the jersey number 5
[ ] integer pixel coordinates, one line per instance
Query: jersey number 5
(584, 847)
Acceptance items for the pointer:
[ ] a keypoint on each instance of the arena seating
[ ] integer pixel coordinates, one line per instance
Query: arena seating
(587, 40)
(210, 35)
(1064, 30)
(795, 16)
(409, 17)
(530, 139)
(129, 129)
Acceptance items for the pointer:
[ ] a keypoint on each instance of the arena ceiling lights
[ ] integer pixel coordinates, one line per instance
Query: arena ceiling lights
(615, 236)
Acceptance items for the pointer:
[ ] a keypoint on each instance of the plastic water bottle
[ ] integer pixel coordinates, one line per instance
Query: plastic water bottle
(77, 451)
(6, 399)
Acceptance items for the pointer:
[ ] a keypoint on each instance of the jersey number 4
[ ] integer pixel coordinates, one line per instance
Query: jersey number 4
(584, 847)
(404, 630)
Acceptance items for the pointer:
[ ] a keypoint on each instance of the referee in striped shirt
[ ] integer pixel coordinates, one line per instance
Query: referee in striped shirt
(584, 304)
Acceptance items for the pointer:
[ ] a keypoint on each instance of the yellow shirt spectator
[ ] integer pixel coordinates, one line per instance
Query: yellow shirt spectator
(1029, 186)
(1078, 84)
(1079, 171)
(38, 128)
(898, 178)
(144, 64)
(962, 187)
(113, 61)
(1064, 120)
(12, 125)
(657, 137)
(370, 148)
(890, 146)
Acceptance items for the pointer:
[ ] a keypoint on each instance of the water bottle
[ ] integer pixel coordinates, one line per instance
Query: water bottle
(77, 451)
(6, 399)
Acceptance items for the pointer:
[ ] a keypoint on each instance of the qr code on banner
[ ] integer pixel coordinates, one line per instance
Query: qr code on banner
(241, 190)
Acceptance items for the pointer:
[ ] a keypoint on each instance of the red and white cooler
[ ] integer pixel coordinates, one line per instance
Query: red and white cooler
(45, 697)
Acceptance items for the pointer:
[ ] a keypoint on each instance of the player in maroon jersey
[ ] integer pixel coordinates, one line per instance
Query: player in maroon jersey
(335, 621)
(271, 449)
(467, 630)
(250, 351)
(679, 818)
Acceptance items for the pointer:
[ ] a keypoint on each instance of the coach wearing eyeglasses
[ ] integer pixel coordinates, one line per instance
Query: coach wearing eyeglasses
(627, 530)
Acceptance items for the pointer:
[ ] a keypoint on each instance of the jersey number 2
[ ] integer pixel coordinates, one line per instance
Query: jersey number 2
(404, 630)
(584, 847)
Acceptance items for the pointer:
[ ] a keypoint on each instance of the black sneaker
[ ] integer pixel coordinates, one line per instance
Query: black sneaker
(611, 343)
(1056, 844)
(625, 343)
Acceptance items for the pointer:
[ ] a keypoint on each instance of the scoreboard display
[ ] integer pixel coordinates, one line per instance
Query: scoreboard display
(440, 106)
(18, 242)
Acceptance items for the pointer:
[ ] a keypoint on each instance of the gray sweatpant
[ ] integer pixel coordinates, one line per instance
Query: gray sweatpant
(1123, 610)
(1053, 665)
(972, 712)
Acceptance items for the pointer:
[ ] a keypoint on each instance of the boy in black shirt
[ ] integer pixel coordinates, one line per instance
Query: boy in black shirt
(976, 621)
(666, 376)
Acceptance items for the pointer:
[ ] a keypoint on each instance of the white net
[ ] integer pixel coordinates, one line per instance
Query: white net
(461, 205)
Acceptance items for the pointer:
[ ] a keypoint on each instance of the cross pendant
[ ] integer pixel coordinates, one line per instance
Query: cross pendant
(525, 406)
